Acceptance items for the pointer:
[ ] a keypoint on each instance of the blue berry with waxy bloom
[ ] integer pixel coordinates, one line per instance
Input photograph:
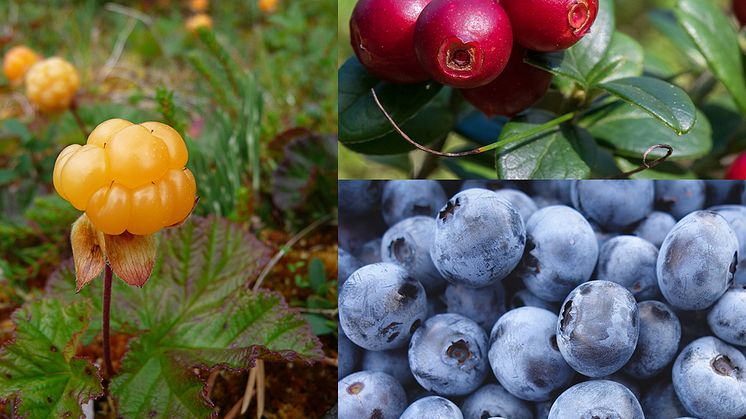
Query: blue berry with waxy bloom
(380, 306)
(596, 399)
(660, 334)
(614, 204)
(727, 318)
(520, 201)
(432, 407)
(661, 401)
(735, 215)
(630, 262)
(679, 198)
(483, 305)
(448, 355)
(697, 261)
(524, 298)
(524, 355)
(347, 264)
(561, 252)
(361, 197)
(655, 227)
(479, 239)
(368, 394)
(393, 362)
(348, 355)
(492, 401)
(598, 328)
(709, 379)
(407, 243)
(406, 198)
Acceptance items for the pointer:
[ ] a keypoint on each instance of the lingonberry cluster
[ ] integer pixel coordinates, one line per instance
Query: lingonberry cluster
(474, 45)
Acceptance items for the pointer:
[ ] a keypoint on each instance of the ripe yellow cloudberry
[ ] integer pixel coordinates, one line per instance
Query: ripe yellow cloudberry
(267, 6)
(199, 21)
(17, 61)
(198, 6)
(128, 177)
(51, 84)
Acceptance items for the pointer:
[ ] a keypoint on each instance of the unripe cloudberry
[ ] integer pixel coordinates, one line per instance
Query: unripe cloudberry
(737, 170)
(550, 25)
(739, 9)
(382, 36)
(463, 43)
(17, 61)
(517, 88)
(128, 177)
(51, 84)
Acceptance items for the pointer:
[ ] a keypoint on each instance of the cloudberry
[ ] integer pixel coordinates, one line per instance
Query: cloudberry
(51, 84)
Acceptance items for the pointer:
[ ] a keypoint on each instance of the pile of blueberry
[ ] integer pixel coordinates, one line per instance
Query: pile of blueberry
(474, 45)
(550, 299)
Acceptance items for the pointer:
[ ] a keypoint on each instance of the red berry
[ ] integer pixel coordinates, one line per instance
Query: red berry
(517, 88)
(737, 170)
(382, 35)
(550, 25)
(463, 43)
(739, 9)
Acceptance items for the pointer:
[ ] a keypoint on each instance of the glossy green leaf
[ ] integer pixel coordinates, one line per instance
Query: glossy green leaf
(631, 131)
(560, 153)
(665, 22)
(717, 40)
(196, 312)
(360, 119)
(40, 367)
(624, 58)
(663, 100)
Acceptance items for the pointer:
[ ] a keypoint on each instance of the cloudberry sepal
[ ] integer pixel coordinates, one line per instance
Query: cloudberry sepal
(88, 253)
(131, 256)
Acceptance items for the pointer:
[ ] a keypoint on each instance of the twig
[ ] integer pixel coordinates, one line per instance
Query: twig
(249, 392)
(290, 243)
(259, 388)
(109, 371)
(334, 362)
(234, 410)
(645, 165)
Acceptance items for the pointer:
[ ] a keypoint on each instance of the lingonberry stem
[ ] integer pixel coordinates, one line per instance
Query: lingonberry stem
(107, 311)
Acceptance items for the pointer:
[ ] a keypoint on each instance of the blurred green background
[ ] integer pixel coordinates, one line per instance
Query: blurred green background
(631, 19)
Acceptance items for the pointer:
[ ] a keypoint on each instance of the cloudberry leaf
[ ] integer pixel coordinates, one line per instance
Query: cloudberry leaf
(196, 313)
(40, 367)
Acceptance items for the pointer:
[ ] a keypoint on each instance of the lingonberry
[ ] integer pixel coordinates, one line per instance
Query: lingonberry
(737, 170)
(382, 36)
(17, 61)
(739, 9)
(463, 43)
(550, 25)
(518, 87)
(128, 177)
(51, 84)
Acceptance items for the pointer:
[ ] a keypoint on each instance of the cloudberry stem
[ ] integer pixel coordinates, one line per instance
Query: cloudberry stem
(109, 371)
(78, 120)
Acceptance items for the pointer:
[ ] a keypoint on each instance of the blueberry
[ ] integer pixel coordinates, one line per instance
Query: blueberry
(709, 377)
(727, 318)
(598, 327)
(679, 197)
(448, 355)
(720, 192)
(370, 252)
(433, 407)
(520, 201)
(346, 265)
(380, 306)
(661, 401)
(483, 305)
(660, 334)
(630, 262)
(602, 236)
(407, 243)
(614, 204)
(494, 401)
(596, 399)
(655, 227)
(479, 239)
(524, 355)
(542, 409)
(407, 198)
(561, 252)
(735, 215)
(361, 197)
(348, 355)
(524, 298)
(626, 381)
(393, 362)
(554, 190)
(368, 394)
(697, 261)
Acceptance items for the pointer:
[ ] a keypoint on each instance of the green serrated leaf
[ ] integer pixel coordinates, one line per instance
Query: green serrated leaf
(40, 367)
(559, 153)
(663, 100)
(195, 312)
(631, 131)
(360, 119)
(717, 40)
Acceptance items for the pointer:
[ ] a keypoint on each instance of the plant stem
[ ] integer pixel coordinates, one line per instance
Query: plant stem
(78, 120)
(109, 371)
